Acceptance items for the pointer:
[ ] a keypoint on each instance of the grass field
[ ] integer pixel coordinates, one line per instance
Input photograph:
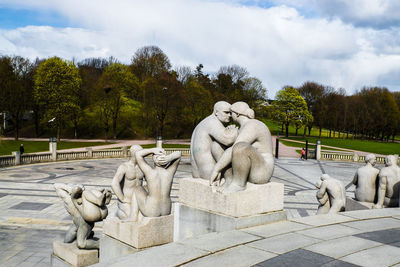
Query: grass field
(356, 144)
(7, 146)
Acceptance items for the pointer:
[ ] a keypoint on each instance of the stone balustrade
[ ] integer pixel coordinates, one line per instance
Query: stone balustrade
(16, 159)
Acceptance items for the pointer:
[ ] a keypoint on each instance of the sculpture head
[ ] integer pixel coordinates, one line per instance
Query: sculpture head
(390, 160)
(370, 158)
(222, 111)
(134, 149)
(241, 109)
(324, 177)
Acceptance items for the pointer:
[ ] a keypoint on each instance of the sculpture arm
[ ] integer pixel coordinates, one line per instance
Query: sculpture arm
(381, 192)
(76, 197)
(321, 191)
(174, 158)
(116, 183)
(225, 136)
(146, 169)
(224, 161)
(63, 190)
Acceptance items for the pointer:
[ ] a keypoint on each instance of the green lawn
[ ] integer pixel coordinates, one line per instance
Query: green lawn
(356, 144)
(7, 146)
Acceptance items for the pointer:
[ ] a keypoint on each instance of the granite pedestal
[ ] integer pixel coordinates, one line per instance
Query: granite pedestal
(68, 254)
(202, 209)
(147, 232)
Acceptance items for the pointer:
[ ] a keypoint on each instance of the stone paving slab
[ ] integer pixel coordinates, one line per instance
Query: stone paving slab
(323, 219)
(343, 246)
(172, 254)
(377, 256)
(218, 241)
(363, 214)
(329, 231)
(374, 224)
(277, 228)
(237, 256)
(284, 243)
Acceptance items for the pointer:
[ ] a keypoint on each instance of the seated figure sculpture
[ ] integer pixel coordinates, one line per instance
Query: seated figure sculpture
(331, 195)
(251, 154)
(365, 180)
(125, 179)
(389, 183)
(86, 207)
(209, 140)
(156, 201)
(323, 199)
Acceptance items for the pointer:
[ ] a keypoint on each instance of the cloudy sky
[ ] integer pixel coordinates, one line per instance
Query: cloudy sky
(341, 43)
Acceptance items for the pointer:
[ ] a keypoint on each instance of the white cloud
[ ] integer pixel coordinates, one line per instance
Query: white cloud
(278, 44)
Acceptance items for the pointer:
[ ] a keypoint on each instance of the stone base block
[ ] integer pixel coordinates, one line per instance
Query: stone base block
(72, 255)
(192, 222)
(111, 248)
(255, 199)
(148, 232)
(352, 204)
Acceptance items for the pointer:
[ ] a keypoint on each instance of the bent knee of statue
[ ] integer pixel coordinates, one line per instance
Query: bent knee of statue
(240, 148)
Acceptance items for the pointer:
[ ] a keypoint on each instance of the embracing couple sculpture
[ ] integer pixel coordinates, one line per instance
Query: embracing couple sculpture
(237, 155)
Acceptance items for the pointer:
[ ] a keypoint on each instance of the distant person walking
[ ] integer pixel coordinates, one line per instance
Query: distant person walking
(303, 154)
(21, 149)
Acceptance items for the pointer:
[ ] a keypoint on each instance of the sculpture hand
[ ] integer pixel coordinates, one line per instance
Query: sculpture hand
(214, 176)
(162, 160)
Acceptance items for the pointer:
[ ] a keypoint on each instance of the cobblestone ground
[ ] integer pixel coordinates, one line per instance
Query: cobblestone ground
(32, 215)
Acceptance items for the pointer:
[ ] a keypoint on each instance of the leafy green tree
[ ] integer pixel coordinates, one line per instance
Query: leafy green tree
(290, 108)
(114, 86)
(16, 89)
(57, 85)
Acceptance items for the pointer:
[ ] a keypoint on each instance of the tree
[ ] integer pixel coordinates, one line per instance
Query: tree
(57, 85)
(16, 84)
(312, 93)
(149, 61)
(290, 108)
(115, 84)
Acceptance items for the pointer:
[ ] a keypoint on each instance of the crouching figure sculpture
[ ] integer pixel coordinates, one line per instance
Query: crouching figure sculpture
(86, 207)
(331, 195)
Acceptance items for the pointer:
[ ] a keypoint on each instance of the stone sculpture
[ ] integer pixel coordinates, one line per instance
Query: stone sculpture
(331, 195)
(156, 200)
(86, 207)
(125, 179)
(389, 183)
(251, 154)
(209, 140)
(365, 180)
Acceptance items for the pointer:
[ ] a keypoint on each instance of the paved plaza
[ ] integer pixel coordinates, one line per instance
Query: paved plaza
(33, 216)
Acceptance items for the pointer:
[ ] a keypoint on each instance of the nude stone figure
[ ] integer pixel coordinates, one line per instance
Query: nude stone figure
(86, 207)
(251, 154)
(389, 183)
(156, 201)
(323, 199)
(365, 180)
(125, 179)
(336, 193)
(209, 140)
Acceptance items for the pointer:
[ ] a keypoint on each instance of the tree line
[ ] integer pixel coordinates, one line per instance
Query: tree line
(104, 98)
(370, 113)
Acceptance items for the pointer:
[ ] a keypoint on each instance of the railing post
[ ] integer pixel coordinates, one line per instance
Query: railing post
(89, 152)
(318, 150)
(159, 142)
(124, 151)
(355, 157)
(17, 156)
(53, 148)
